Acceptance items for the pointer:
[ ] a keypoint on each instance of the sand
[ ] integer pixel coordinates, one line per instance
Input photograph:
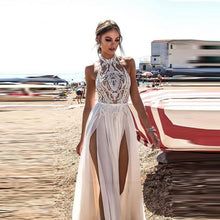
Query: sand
(38, 164)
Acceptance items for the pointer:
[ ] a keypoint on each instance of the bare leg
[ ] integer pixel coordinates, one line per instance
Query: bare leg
(123, 163)
(93, 152)
(77, 98)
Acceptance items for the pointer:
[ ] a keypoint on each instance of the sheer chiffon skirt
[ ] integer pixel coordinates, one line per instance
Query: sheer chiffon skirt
(110, 123)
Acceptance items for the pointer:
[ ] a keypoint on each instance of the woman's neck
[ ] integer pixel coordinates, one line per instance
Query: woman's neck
(107, 56)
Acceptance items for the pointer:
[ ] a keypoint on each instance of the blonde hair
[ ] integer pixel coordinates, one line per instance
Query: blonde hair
(104, 27)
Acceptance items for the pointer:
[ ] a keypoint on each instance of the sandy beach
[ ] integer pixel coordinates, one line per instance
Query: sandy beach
(39, 166)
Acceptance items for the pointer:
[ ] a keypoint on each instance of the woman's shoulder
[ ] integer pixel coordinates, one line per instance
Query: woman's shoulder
(127, 62)
(90, 71)
(89, 68)
(126, 58)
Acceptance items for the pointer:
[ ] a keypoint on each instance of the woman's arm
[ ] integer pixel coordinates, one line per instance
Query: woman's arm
(138, 104)
(89, 102)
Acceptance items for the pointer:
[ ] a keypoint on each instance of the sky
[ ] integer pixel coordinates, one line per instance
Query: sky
(58, 36)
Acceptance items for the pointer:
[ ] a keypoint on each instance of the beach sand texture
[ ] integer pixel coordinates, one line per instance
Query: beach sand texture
(38, 167)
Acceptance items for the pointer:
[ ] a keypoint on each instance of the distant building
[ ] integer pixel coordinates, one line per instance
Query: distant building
(144, 66)
(185, 54)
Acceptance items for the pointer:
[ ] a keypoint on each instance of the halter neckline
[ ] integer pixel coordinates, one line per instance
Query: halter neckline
(106, 60)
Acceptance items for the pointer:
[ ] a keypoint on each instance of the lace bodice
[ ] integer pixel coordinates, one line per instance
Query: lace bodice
(112, 81)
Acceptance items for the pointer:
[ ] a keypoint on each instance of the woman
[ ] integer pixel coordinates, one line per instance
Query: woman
(108, 183)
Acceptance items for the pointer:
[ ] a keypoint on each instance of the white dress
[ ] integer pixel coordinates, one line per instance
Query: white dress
(111, 119)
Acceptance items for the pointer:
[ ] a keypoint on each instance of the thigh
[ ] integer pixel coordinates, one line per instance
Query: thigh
(123, 162)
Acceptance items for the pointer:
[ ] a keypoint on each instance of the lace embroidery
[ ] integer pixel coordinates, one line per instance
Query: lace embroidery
(112, 81)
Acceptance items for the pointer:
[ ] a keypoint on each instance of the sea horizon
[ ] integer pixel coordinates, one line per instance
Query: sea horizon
(75, 77)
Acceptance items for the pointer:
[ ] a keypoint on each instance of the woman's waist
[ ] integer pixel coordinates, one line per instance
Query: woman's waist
(111, 110)
(118, 104)
(109, 107)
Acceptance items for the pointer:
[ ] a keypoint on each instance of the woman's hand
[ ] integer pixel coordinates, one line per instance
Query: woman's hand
(154, 138)
(79, 148)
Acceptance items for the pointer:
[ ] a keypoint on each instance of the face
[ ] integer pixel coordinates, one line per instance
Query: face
(109, 42)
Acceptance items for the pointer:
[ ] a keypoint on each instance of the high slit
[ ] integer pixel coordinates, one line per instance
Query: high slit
(93, 153)
(123, 163)
(110, 123)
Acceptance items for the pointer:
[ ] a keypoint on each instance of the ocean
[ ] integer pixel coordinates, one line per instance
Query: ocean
(74, 77)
